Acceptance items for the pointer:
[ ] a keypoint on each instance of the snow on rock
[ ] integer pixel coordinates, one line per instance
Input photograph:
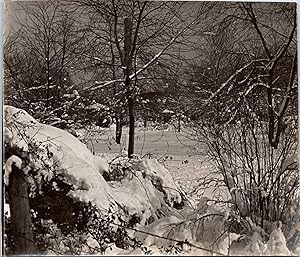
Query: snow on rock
(140, 194)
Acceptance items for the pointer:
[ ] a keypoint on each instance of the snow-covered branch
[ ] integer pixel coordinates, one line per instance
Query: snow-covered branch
(226, 83)
(104, 84)
(39, 87)
(135, 74)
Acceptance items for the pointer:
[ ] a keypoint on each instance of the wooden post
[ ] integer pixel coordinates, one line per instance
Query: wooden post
(20, 212)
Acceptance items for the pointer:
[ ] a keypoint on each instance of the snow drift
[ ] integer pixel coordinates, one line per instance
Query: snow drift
(151, 188)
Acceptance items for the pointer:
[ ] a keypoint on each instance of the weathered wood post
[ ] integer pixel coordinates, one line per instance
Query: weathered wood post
(20, 212)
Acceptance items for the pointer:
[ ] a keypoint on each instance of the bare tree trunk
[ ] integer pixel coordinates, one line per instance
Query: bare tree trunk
(131, 127)
(20, 212)
(145, 117)
(130, 97)
(118, 111)
(48, 74)
(119, 126)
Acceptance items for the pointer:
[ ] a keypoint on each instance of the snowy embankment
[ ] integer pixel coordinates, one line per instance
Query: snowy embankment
(143, 188)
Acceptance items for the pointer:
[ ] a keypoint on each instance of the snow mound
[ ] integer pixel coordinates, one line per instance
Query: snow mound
(277, 244)
(80, 167)
(163, 178)
(150, 189)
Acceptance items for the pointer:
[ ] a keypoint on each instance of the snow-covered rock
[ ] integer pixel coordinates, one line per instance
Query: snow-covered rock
(71, 157)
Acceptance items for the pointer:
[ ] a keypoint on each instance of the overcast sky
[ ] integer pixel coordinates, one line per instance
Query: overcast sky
(10, 12)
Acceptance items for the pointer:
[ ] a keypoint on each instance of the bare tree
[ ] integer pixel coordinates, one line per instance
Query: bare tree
(253, 138)
(269, 69)
(39, 56)
(151, 31)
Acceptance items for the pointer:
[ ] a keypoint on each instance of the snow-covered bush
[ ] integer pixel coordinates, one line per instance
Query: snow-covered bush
(262, 182)
(76, 112)
(82, 229)
(71, 203)
(151, 170)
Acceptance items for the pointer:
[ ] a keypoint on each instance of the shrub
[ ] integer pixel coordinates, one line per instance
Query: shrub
(262, 181)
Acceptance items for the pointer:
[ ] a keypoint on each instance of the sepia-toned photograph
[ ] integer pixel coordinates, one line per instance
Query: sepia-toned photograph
(135, 127)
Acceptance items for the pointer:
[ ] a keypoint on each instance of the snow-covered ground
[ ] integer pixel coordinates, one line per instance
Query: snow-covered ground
(150, 188)
(186, 159)
(189, 165)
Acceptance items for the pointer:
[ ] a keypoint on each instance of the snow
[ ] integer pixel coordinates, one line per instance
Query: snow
(162, 228)
(6, 209)
(224, 244)
(154, 169)
(8, 136)
(139, 195)
(167, 111)
(277, 244)
(148, 191)
(12, 160)
(293, 239)
(113, 250)
(84, 170)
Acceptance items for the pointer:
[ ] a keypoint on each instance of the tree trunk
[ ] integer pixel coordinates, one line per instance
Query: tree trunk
(119, 126)
(20, 212)
(118, 112)
(127, 82)
(131, 127)
(145, 118)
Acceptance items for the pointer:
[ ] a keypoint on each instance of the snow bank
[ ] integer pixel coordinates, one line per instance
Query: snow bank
(150, 189)
(71, 157)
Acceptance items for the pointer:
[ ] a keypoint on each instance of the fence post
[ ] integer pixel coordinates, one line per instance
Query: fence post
(20, 212)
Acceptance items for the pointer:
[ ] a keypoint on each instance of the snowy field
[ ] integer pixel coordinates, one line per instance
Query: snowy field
(186, 159)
